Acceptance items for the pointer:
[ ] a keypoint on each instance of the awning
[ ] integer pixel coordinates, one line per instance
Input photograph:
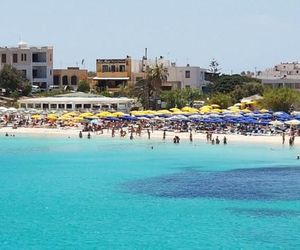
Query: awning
(110, 78)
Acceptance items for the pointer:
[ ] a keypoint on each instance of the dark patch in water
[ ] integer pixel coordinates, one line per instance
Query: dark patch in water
(239, 184)
(264, 212)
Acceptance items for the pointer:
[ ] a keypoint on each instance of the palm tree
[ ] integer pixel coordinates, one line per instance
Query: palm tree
(156, 76)
(148, 90)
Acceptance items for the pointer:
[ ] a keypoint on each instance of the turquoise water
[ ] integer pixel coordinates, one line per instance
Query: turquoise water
(59, 193)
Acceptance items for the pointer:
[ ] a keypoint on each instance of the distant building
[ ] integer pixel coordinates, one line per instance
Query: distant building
(36, 63)
(281, 75)
(69, 77)
(185, 77)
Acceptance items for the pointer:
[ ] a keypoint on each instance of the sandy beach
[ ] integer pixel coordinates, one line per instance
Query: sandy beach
(156, 135)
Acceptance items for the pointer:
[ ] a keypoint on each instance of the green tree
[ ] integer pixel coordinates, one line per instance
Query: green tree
(148, 90)
(247, 89)
(224, 100)
(156, 76)
(281, 99)
(227, 83)
(181, 97)
(83, 86)
(214, 66)
(143, 91)
(13, 80)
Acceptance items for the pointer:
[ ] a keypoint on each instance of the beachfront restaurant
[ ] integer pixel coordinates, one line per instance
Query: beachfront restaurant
(78, 101)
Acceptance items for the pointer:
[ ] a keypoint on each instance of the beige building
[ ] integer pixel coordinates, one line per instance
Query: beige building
(36, 63)
(281, 75)
(69, 77)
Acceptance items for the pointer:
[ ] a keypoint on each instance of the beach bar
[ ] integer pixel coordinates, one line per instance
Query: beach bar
(78, 101)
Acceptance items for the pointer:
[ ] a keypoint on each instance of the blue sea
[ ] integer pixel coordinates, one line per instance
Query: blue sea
(103, 193)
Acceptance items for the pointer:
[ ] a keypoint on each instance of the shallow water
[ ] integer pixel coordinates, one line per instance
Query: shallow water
(58, 193)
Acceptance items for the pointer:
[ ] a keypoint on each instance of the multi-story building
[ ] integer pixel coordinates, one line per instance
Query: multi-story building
(281, 75)
(36, 63)
(69, 77)
(113, 73)
(185, 77)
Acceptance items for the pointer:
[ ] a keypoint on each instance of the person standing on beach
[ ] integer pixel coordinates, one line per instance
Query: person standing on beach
(148, 132)
(89, 135)
(224, 140)
(191, 137)
(80, 134)
(164, 135)
(131, 135)
(283, 137)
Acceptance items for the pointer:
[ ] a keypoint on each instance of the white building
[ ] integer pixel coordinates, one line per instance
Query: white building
(281, 75)
(78, 101)
(185, 77)
(36, 63)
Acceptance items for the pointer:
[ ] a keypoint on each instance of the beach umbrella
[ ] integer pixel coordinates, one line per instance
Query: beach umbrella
(263, 111)
(86, 114)
(95, 121)
(36, 117)
(276, 123)
(175, 109)
(215, 106)
(293, 122)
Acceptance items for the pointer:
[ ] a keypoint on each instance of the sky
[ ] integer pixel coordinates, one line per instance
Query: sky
(240, 34)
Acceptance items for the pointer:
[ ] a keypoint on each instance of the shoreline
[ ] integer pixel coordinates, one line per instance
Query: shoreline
(156, 135)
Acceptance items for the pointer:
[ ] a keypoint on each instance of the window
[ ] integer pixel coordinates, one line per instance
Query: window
(105, 68)
(78, 106)
(65, 80)
(15, 58)
(187, 74)
(87, 106)
(3, 58)
(23, 57)
(69, 106)
(113, 68)
(61, 106)
(74, 80)
(53, 106)
(122, 68)
(56, 80)
(45, 106)
(50, 57)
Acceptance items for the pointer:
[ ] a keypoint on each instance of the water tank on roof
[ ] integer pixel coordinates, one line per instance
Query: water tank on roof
(22, 45)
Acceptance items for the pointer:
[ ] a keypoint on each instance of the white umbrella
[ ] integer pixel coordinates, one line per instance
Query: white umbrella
(293, 122)
(276, 123)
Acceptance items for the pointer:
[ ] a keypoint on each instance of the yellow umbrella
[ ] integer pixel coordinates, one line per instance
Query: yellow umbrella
(72, 113)
(237, 105)
(36, 117)
(175, 109)
(104, 114)
(215, 106)
(246, 111)
(216, 111)
(206, 107)
(87, 114)
(118, 114)
(164, 111)
(264, 111)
